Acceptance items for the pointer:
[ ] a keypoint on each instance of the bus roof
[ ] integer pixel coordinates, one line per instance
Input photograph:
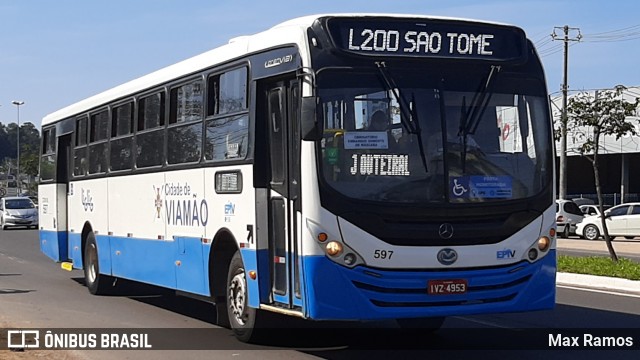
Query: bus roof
(289, 32)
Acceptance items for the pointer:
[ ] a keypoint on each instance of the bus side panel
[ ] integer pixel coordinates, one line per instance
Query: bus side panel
(54, 244)
(137, 229)
(145, 260)
(75, 250)
(53, 221)
(250, 261)
(190, 274)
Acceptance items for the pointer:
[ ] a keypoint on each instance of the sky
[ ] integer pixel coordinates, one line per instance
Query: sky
(55, 53)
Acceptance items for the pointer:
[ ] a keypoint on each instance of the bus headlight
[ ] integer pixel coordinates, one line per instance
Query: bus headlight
(544, 243)
(334, 248)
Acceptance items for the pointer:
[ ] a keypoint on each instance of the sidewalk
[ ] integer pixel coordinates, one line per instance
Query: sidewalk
(599, 247)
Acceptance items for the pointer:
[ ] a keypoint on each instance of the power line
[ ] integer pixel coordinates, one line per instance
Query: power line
(623, 34)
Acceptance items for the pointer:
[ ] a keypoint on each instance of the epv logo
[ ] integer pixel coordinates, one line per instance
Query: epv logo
(506, 254)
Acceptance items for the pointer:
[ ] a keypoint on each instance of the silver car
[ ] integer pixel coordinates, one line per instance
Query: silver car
(568, 215)
(18, 211)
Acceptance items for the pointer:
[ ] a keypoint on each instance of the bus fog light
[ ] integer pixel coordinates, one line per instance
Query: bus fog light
(543, 243)
(533, 254)
(334, 248)
(350, 259)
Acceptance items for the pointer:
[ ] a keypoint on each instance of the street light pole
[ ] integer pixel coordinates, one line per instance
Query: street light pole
(17, 104)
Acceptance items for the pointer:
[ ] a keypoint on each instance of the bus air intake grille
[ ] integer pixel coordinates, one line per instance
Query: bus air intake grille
(470, 289)
(443, 303)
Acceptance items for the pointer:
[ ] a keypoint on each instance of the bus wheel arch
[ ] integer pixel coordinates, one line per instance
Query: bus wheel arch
(223, 247)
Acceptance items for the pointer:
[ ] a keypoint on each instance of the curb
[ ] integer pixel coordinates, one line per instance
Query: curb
(598, 282)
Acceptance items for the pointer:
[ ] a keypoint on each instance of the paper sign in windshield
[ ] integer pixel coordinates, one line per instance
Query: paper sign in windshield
(480, 187)
(366, 140)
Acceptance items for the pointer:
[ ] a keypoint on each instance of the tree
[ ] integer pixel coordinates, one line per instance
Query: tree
(604, 113)
(29, 147)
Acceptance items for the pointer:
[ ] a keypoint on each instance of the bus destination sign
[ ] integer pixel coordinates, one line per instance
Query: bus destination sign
(428, 38)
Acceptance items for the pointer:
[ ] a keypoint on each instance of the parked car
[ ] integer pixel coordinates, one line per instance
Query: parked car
(622, 220)
(18, 211)
(589, 210)
(568, 215)
(583, 201)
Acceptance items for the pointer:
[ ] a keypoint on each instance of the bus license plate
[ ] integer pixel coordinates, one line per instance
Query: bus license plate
(447, 287)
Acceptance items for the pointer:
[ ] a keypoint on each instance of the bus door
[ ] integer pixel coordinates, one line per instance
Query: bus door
(284, 192)
(54, 240)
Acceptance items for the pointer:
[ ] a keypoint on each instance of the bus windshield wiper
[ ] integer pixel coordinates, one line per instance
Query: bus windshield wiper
(405, 119)
(470, 117)
(409, 115)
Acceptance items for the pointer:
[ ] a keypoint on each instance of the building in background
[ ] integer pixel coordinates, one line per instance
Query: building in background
(619, 178)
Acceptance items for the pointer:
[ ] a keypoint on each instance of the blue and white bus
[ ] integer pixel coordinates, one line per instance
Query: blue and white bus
(333, 167)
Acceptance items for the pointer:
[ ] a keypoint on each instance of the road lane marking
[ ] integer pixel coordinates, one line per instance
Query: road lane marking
(18, 260)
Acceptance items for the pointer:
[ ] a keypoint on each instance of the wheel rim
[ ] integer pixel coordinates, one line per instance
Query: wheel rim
(237, 298)
(591, 232)
(91, 264)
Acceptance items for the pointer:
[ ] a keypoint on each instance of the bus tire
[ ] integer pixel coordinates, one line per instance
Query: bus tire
(426, 324)
(222, 313)
(98, 284)
(244, 320)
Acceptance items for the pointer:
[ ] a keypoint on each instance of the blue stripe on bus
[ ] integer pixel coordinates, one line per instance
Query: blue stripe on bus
(250, 261)
(75, 250)
(181, 264)
(337, 293)
(54, 244)
(331, 291)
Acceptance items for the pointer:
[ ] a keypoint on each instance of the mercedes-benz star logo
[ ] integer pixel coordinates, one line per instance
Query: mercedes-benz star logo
(447, 256)
(445, 231)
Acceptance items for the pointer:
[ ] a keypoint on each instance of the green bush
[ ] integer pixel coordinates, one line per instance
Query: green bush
(599, 265)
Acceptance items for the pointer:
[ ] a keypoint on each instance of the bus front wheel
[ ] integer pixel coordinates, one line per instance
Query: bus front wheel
(98, 284)
(244, 320)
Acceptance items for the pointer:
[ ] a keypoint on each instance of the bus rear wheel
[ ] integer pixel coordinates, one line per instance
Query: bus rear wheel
(98, 284)
(244, 320)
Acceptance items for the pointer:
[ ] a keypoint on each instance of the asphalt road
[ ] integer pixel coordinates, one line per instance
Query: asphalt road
(36, 293)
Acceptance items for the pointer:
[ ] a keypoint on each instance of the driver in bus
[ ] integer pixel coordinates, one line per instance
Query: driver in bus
(380, 122)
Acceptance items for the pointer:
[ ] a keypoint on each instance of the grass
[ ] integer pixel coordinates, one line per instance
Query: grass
(599, 265)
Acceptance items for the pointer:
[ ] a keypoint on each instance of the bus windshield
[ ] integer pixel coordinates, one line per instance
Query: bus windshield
(446, 135)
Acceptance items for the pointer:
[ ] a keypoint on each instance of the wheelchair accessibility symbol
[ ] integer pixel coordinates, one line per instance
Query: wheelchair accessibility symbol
(458, 189)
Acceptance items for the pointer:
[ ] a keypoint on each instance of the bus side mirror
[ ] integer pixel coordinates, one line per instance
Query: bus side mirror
(310, 129)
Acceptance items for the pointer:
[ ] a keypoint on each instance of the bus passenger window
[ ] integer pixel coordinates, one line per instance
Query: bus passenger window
(80, 160)
(150, 136)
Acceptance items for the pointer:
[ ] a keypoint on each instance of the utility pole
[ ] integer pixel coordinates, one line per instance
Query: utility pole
(562, 186)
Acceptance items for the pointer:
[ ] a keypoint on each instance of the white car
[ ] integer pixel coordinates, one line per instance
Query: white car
(622, 220)
(18, 211)
(588, 210)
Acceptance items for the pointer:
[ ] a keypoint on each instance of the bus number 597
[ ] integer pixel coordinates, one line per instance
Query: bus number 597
(382, 254)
